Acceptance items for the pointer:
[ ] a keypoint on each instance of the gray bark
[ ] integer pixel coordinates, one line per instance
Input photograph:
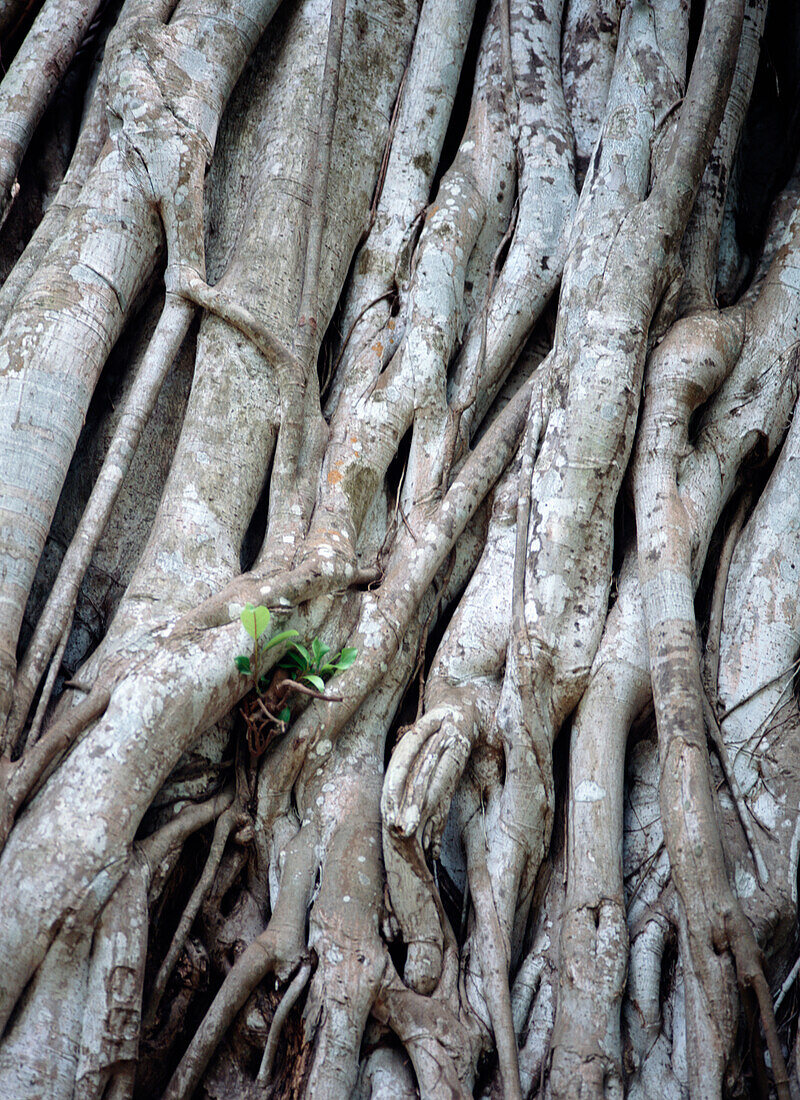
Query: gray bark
(431, 330)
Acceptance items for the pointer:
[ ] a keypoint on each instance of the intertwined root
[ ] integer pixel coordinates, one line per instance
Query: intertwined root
(403, 892)
(425, 769)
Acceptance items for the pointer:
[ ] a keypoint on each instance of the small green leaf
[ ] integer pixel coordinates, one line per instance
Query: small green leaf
(293, 661)
(242, 663)
(285, 714)
(263, 683)
(315, 681)
(283, 636)
(326, 669)
(255, 620)
(301, 649)
(319, 649)
(346, 658)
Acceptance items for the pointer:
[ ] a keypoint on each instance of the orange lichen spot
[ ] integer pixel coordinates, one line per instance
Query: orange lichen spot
(378, 348)
(334, 476)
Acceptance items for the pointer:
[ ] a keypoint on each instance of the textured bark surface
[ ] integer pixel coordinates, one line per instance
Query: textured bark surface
(461, 336)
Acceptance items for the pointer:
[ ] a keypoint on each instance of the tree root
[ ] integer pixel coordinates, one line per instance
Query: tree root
(288, 1001)
(440, 301)
(492, 942)
(33, 78)
(422, 776)
(231, 819)
(750, 975)
(280, 948)
(665, 573)
(21, 777)
(54, 621)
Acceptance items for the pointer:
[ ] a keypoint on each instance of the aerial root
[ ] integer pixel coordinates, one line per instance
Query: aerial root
(172, 835)
(711, 675)
(425, 769)
(52, 629)
(593, 972)
(288, 1001)
(250, 968)
(434, 1036)
(733, 933)
(715, 733)
(281, 592)
(20, 778)
(494, 955)
(422, 775)
(280, 949)
(416, 904)
(232, 817)
(751, 978)
(789, 981)
(112, 1003)
(49, 684)
(214, 300)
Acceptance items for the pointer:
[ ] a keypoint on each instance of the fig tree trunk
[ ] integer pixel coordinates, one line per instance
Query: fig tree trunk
(399, 549)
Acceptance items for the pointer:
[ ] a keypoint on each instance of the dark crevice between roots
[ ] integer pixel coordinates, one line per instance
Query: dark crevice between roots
(253, 538)
(771, 135)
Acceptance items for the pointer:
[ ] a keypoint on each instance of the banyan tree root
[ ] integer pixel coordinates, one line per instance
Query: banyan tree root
(442, 875)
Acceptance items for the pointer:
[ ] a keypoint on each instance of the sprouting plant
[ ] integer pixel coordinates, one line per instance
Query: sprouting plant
(269, 712)
(315, 666)
(255, 620)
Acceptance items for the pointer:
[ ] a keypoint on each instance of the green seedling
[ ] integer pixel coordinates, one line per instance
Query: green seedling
(304, 672)
(255, 620)
(315, 666)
